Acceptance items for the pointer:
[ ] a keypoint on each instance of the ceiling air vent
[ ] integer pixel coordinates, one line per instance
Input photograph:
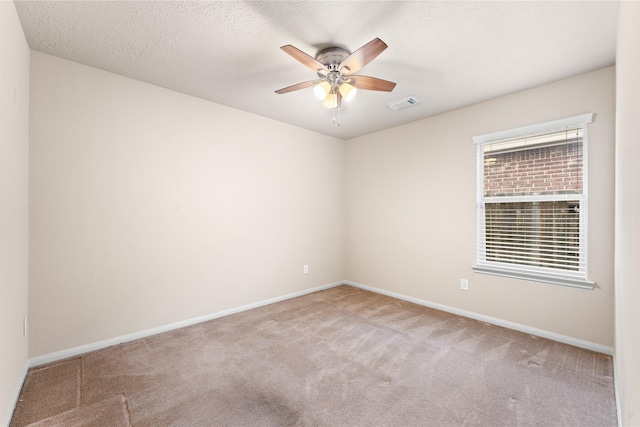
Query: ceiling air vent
(407, 102)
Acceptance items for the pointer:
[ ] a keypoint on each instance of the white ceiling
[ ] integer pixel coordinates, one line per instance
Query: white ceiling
(446, 54)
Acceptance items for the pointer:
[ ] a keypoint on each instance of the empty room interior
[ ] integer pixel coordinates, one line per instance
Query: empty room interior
(198, 226)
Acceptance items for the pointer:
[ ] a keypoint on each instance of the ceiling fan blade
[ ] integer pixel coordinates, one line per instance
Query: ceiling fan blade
(362, 56)
(298, 86)
(305, 59)
(372, 83)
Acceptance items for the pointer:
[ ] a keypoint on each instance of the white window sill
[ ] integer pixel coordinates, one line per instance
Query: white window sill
(575, 283)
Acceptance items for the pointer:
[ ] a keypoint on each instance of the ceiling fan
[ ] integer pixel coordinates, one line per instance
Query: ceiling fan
(335, 67)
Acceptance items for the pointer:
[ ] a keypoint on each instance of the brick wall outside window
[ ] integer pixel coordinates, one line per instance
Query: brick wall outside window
(544, 170)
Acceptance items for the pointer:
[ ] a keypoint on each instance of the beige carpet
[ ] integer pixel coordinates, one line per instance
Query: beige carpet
(343, 356)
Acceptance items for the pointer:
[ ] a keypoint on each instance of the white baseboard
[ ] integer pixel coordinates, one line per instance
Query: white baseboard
(493, 320)
(16, 394)
(76, 351)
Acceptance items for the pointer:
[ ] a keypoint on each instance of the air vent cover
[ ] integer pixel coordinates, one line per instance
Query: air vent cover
(407, 102)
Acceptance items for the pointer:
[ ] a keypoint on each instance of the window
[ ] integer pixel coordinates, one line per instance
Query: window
(532, 202)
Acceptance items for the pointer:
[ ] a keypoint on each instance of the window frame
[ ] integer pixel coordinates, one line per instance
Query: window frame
(520, 271)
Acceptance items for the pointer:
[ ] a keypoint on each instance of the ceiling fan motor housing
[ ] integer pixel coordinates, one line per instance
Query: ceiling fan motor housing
(332, 57)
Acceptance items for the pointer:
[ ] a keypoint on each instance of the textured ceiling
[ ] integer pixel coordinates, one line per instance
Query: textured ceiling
(446, 54)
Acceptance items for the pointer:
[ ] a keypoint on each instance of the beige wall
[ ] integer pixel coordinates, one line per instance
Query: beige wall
(150, 207)
(410, 195)
(627, 270)
(14, 214)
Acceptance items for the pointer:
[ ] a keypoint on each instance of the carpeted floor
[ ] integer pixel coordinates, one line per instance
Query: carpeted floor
(343, 356)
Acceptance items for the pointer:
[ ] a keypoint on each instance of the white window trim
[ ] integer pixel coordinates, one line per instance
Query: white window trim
(501, 269)
(582, 119)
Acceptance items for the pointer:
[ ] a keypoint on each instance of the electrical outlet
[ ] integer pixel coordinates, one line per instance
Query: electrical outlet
(464, 284)
(305, 269)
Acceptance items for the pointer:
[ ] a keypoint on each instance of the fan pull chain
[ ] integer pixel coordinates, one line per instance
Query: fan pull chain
(336, 116)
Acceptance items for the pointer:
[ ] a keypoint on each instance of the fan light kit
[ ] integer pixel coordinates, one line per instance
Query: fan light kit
(335, 67)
